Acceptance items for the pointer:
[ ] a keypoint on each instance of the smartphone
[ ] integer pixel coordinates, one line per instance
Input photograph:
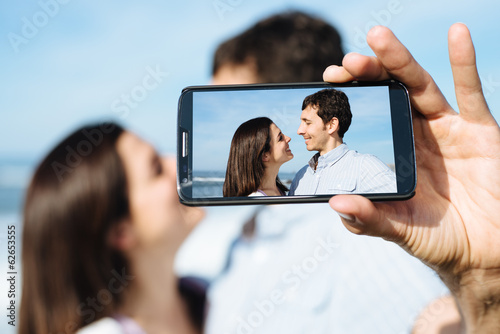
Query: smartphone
(377, 154)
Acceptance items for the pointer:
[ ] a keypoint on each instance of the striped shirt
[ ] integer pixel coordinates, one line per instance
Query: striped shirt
(343, 171)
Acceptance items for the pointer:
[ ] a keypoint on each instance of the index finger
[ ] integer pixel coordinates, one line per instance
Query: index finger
(395, 61)
(400, 64)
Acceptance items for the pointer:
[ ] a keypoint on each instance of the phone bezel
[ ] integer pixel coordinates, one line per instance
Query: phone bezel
(402, 131)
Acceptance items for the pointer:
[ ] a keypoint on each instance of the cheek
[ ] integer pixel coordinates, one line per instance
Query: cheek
(280, 150)
(154, 213)
(317, 131)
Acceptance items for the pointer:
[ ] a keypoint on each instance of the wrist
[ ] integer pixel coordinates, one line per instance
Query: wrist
(477, 292)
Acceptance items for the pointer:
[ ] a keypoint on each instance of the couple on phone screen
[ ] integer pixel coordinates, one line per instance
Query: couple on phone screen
(259, 148)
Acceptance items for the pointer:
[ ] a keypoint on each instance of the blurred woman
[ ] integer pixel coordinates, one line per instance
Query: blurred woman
(258, 150)
(102, 224)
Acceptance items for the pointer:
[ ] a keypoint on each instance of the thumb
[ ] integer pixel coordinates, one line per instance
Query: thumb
(361, 216)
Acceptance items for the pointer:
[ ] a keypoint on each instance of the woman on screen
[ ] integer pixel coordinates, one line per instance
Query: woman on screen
(258, 150)
(102, 224)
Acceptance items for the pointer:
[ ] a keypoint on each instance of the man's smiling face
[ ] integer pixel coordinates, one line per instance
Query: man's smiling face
(314, 131)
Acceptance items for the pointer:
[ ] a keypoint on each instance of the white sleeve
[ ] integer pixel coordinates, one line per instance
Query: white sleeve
(102, 326)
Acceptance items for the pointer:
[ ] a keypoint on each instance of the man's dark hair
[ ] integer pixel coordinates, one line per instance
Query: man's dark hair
(331, 103)
(287, 47)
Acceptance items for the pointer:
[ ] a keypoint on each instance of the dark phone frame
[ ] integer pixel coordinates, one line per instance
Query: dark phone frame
(402, 132)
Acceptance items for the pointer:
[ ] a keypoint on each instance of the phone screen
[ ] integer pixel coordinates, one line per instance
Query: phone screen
(365, 160)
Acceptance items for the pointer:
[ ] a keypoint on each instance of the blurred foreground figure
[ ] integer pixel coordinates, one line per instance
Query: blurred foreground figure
(102, 225)
(294, 268)
(288, 47)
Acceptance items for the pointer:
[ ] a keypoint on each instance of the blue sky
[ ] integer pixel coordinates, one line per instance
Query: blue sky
(79, 60)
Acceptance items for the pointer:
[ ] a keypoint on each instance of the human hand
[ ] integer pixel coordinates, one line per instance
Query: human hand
(452, 223)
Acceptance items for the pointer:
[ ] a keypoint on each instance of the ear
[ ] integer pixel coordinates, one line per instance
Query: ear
(332, 126)
(121, 236)
(265, 157)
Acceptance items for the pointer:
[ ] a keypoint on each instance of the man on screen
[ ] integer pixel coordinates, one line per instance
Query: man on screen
(335, 169)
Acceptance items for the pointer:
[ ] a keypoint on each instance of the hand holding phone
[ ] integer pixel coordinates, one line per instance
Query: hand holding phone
(283, 143)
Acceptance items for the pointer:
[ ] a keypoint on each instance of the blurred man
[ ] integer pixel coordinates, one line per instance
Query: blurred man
(295, 268)
(289, 47)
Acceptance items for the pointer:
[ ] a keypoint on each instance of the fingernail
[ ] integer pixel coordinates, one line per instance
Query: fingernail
(347, 217)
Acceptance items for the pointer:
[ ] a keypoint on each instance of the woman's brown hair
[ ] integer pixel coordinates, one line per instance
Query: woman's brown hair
(71, 276)
(245, 167)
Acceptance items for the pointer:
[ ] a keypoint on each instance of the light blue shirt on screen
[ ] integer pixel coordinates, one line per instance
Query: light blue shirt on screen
(344, 171)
